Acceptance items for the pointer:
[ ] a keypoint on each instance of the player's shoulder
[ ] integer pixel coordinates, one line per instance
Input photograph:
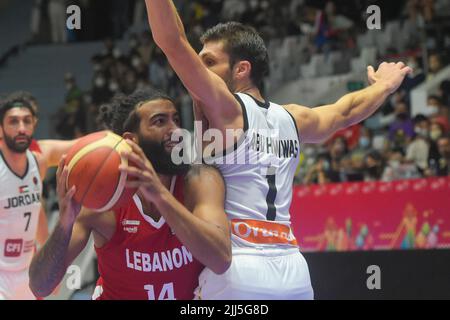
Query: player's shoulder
(203, 183)
(199, 172)
(296, 108)
(201, 180)
(41, 163)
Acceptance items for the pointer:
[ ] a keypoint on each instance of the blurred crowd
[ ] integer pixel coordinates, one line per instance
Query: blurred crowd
(392, 144)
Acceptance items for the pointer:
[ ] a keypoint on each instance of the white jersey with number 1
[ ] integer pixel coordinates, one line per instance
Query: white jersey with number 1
(259, 174)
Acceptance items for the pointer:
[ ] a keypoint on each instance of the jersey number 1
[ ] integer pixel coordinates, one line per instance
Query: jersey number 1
(271, 195)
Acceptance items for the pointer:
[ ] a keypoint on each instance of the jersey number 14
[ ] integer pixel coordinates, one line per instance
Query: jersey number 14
(166, 293)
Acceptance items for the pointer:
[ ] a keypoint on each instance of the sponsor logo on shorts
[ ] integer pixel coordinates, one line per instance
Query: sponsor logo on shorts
(263, 232)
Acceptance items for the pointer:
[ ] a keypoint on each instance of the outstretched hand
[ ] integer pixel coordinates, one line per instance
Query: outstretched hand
(390, 74)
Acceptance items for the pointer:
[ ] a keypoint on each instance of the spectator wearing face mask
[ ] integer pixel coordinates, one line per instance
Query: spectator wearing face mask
(433, 106)
(397, 169)
(100, 91)
(418, 150)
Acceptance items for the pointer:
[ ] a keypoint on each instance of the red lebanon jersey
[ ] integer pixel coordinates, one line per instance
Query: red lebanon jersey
(144, 260)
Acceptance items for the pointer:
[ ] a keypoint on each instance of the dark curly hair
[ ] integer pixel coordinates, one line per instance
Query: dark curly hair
(120, 115)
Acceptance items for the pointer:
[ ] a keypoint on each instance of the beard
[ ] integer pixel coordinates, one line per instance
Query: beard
(17, 147)
(160, 158)
(228, 79)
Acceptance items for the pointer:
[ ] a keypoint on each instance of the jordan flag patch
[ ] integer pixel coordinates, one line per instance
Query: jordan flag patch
(23, 189)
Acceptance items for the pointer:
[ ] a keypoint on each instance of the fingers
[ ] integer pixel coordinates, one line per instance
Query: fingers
(60, 166)
(61, 183)
(408, 70)
(135, 160)
(69, 195)
(132, 171)
(371, 74)
(135, 184)
(135, 148)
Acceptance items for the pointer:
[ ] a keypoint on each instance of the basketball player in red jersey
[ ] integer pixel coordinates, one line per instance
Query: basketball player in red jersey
(224, 80)
(156, 246)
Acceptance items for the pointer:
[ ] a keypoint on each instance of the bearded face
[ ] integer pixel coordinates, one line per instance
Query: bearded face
(160, 157)
(17, 129)
(19, 143)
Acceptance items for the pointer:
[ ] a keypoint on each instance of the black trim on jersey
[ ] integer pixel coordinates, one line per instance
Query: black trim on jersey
(36, 160)
(236, 145)
(12, 171)
(265, 104)
(244, 111)
(295, 123)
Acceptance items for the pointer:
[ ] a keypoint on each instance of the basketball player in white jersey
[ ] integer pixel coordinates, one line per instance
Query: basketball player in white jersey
(23, 165)
(20, 198)
(224, 81)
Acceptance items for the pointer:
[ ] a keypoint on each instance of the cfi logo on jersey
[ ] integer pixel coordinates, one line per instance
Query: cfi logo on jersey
(130, 226)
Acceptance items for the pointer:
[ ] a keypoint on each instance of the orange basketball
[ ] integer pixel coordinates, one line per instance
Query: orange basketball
(93, 164)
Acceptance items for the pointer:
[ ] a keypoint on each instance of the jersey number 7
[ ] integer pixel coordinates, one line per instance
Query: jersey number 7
(27, 215)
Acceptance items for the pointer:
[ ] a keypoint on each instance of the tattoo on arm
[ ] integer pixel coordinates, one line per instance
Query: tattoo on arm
(49, 265)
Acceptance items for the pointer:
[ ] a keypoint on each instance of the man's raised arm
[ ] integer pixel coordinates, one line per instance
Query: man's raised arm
(217, 103)
(318, 124)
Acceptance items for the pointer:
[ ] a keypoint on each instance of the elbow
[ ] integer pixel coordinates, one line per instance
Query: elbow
(37, 287)
(223, 264)
(38, 291)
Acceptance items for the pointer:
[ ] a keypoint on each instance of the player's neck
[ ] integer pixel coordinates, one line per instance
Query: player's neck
(251, 90)
(17, 162)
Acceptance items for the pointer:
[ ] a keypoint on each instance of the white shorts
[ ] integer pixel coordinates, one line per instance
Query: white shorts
(14, 285)
(259, 275)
